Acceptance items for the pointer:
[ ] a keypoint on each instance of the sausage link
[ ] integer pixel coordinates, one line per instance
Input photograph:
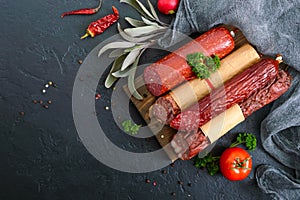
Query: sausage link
(234, 91)
(197, 141)
(169, 105)
(173, 69)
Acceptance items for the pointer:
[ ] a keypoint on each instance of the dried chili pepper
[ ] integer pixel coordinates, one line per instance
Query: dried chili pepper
(99, 26)
(84, 11)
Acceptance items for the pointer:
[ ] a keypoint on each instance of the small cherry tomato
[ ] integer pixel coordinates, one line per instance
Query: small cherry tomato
(167, 6)
(235, 164)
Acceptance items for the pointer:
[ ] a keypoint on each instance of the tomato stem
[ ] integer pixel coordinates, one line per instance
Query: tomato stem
(238, 164)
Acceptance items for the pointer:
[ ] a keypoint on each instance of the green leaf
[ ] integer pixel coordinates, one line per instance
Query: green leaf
(145, 10)
(202, 65)
(136, 6)
(130, 127)
(126, 125)
(122, 74)
(141, 31)
(115, 45)
(136, 39)
(135, 128)
(110, 79)
(153, 12)
(248, 139)
(149, 22)
(135, 22)
(130, 58)
(131, 83)
(211, 163)
(116, 53)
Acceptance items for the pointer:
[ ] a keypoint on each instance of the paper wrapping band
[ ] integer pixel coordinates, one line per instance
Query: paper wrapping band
(234, 64)
(192, 91)
(224, 122)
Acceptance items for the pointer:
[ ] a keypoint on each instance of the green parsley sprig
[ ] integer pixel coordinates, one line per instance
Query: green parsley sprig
(211, 163)
(130, 127)
(245, 138)
(203, 65)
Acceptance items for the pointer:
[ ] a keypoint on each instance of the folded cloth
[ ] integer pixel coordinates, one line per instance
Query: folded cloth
(271, 181)
(273, 27)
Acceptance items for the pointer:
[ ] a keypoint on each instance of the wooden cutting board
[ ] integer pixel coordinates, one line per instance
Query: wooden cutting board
(164, 134)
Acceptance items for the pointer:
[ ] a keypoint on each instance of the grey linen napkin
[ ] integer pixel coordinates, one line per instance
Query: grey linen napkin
(273, 27)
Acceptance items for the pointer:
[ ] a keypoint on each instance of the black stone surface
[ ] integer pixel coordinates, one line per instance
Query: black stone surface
(41, 154)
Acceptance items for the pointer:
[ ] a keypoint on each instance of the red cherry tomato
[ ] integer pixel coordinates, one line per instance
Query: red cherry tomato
(235, 164)
(167, 6)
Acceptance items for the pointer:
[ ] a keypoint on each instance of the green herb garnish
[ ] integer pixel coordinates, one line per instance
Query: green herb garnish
(245, 138)
(211, 163)
(203, 65)
(130, 127)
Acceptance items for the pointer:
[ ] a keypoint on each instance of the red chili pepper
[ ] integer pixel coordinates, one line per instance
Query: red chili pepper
(84, 11)
(99, 26)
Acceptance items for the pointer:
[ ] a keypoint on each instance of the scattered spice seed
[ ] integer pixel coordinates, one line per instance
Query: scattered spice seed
(173, 193)
(189, 195)
(154, 183)
(44, 91)
(106, 108)
(162, 136)
(22, 113)
(147, 181)
(50, 83)
(49, 102)
(164, 171)
(97, 96)
(180, 182)
(54, 85)
(172, 164)
(46, 85)
(34, 101)
(46, 106)
(80, 61)
(41, 102)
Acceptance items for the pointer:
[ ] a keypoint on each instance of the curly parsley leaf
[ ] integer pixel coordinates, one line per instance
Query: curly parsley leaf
(245, 138)
(130, 127)
(211, 163)
(203, 65)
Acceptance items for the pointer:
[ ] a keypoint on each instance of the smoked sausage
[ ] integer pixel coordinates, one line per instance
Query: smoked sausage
(188, 144)
(234, 91)
(173, 69)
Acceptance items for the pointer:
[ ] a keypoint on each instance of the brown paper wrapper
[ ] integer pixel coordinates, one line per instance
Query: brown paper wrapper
(233, 64)
(224, 122)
